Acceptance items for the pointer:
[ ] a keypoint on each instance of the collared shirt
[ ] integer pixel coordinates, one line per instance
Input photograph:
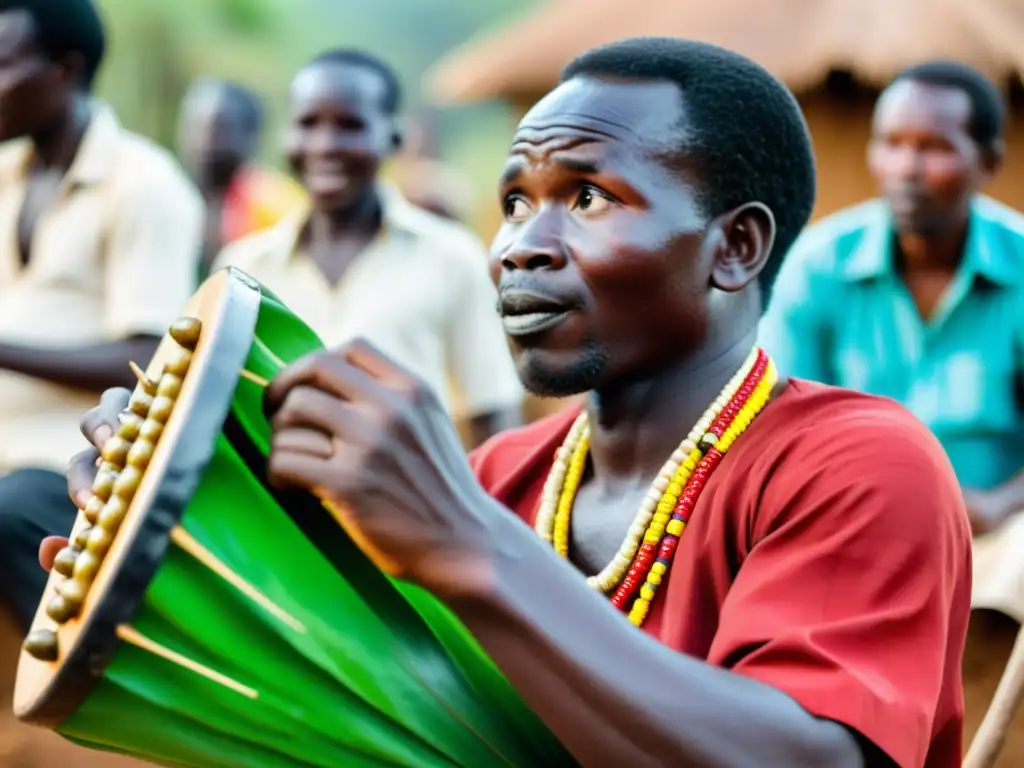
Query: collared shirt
(419, 291)
(114, 255)
(841, 314)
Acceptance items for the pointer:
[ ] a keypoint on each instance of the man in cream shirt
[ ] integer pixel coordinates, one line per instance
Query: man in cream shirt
(363, 261)
(100, 237)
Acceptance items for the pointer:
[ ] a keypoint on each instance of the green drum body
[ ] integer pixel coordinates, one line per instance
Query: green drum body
(220, 622)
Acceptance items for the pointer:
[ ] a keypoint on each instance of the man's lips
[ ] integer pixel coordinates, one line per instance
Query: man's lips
(524, 313)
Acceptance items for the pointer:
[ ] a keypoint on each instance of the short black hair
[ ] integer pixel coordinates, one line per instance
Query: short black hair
(742, 125)
(355, 58)
(66, 26)
(988, 112)
(249, 104)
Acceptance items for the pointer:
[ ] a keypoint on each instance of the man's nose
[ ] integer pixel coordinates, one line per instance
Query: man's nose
(538, 245)
(905, 163)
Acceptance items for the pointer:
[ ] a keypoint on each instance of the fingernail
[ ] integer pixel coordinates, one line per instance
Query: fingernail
(82, 498)
(102, 434)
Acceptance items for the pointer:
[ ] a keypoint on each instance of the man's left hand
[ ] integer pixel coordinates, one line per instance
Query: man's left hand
(373, 441)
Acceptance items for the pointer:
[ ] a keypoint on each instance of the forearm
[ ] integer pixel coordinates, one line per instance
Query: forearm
(1011, 494)
(613, 695)
(93, 367)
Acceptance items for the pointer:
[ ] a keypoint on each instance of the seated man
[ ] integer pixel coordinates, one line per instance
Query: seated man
(919, 296)
(100, 232)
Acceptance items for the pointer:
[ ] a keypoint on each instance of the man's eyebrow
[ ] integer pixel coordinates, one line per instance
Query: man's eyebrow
(582, 167)
(512, 173)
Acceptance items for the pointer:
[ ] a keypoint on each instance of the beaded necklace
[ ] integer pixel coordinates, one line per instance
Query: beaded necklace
(649, 546)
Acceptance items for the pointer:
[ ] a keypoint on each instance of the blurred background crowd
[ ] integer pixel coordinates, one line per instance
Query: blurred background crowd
(211, 140)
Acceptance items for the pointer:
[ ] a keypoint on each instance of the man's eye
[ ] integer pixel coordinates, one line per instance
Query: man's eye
(516, 209)
(592, 200)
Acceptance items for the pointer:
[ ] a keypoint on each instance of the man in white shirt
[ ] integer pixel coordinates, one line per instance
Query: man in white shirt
(362, 261)
(100, 236)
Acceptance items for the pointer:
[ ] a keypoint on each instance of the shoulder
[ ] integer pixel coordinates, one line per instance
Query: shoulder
(827, 244)
(832, 451)
(143, 166)
(998, 215)
(508, 455)
(1005, 226)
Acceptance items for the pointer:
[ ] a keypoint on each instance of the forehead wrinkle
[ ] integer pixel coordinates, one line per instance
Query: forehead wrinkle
(558, 143)
(565, 122)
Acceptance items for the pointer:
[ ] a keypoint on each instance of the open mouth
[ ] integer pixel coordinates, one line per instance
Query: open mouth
(523, 314)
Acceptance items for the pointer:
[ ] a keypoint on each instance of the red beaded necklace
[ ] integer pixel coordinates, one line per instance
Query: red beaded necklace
(679, 495)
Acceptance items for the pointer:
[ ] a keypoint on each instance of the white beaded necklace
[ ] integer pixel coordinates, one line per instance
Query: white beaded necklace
(612, 574)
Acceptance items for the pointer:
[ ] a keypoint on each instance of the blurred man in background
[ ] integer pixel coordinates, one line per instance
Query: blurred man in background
(220, 128)
(100, 232)
(363, 261)
(919, 296)
(421, 174)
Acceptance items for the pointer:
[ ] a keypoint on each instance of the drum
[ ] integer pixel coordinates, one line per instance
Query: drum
(200, 617)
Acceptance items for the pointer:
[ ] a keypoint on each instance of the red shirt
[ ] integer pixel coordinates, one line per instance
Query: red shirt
(829, 556)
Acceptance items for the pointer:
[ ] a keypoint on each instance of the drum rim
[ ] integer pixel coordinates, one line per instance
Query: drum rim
(78, 672)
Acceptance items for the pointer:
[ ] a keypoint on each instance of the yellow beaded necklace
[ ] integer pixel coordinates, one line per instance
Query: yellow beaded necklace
(653, 518)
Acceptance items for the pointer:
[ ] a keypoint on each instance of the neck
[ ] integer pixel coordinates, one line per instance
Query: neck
(362, 218)
(635, 427)
(55, 148)
(923, 252)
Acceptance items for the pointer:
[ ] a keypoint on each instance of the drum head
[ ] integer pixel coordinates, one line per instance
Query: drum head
(47, 692)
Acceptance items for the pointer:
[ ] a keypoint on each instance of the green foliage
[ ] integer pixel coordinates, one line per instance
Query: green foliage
(157, 47)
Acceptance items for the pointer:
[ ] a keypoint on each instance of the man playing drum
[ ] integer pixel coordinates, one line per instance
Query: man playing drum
(802, 601)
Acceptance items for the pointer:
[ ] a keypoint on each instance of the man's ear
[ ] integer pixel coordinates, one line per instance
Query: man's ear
(992, 158)
(398, 130)
(72, 68)
(747, 236)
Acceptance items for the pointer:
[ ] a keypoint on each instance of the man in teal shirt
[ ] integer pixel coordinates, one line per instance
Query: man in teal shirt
(919, 296)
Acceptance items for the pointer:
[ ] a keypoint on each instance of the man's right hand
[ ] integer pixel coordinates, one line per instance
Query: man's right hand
(98, 425)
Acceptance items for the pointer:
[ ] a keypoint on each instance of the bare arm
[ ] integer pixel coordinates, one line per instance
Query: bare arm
(94, 367)
(1011, 493)
(628, 700)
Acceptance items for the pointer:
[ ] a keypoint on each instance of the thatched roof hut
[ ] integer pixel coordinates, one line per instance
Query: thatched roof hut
(833, 53)
(800, 41)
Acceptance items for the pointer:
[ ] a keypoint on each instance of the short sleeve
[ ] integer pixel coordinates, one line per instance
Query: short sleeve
(794, 330)
(855, 595)
(153, 254)
(478, 356)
